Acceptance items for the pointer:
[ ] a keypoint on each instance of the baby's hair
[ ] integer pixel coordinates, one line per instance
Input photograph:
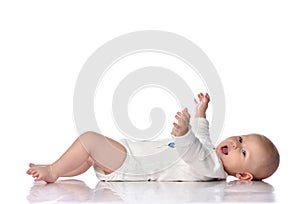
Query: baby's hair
(270, 165)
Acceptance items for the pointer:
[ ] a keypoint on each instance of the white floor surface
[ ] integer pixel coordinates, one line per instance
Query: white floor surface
(133, 192)
(86, 188)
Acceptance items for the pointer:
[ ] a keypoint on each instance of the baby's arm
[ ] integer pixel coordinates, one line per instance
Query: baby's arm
(196, 152)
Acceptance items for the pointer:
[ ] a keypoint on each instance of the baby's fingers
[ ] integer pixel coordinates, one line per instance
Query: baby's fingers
(176, 125)
(207, 96)
(195, 100)
(181, 118)
(200, 96)
(186, 113)
(178, 117)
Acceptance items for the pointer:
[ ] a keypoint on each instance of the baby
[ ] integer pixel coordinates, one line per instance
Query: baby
(188, 156)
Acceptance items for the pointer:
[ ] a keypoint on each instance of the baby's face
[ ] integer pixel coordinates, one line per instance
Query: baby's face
(241, 153)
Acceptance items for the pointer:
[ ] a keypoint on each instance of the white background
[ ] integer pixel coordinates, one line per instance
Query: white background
(254, 46)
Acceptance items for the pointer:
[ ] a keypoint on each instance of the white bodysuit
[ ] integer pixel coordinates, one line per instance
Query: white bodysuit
(192, 158)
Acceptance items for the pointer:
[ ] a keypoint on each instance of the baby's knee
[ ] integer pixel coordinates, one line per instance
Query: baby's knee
(90, 161)
(90, 140)
(90, 134)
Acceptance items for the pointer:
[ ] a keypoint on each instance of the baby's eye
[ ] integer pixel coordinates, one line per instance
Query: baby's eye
(244, 153)
(240, 139)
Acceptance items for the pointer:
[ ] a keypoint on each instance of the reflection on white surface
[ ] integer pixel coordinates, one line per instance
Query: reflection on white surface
(132, 192)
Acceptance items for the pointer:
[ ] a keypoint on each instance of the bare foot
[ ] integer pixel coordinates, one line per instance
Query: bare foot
(42, 173)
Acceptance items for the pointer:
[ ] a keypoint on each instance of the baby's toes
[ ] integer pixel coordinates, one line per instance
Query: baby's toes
(35, 173)
(38, 178)
(29, 171)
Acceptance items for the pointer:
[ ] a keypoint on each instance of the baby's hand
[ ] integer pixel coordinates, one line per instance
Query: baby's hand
(201, 105)
(181, 127)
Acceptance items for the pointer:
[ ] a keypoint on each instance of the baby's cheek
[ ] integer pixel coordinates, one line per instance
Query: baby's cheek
(227, 162)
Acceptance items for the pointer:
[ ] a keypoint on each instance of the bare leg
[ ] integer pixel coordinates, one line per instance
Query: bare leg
(80, 170)
(106, 153)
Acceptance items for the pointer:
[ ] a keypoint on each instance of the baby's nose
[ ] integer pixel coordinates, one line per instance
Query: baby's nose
(235, 145)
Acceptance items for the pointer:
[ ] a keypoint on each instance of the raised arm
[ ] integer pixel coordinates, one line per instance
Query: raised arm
(197, 151)
(183, 118)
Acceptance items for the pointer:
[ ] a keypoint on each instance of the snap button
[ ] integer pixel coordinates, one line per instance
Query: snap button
(171, 144)
(149, 179)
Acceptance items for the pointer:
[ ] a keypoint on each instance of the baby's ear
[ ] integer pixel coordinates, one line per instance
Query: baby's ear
(244, 176)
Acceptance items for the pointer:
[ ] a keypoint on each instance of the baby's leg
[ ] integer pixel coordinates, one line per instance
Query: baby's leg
(81, 169)
(104, 152)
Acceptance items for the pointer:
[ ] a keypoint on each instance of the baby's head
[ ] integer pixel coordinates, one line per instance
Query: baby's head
(248, 157)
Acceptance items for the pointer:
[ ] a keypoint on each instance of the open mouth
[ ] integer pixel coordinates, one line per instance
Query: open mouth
(224, 150)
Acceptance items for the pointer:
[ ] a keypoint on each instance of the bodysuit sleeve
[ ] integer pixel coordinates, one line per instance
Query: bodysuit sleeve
(198, 151)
